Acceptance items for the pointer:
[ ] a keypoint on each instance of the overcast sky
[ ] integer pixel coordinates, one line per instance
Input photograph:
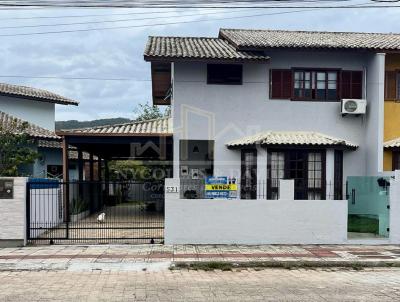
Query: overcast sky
(118, 53)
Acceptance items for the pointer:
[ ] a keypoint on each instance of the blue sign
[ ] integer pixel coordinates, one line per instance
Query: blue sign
(220, 187)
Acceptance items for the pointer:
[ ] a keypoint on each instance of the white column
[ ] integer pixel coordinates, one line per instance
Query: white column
(375, 113)
(262, 160)
(330, 173)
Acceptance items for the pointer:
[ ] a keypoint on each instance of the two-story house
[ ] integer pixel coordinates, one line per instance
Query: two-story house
(35, 108)
(266, 105)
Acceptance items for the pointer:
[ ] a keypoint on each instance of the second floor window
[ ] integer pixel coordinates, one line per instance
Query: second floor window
(315, 85)
(224, 74)
(392, 85)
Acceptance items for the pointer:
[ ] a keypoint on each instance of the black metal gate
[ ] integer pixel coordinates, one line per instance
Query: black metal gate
(95, 212)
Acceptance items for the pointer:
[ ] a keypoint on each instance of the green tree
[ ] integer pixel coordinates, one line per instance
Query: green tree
(16, 149)
(146, 112)
(129, 170)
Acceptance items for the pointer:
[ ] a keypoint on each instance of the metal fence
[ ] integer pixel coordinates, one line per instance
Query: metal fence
(195, 189)
(95, 212)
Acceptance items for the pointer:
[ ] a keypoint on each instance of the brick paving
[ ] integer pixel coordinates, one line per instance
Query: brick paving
(183, 285)
(124, 257)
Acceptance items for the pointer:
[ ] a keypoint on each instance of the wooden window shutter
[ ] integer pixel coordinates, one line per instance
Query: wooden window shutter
(351, 84)
(281, 84)
(390, 85)
(346, 84)
(356, 84)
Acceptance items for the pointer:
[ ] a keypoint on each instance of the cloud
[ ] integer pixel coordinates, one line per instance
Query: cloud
(119, 53)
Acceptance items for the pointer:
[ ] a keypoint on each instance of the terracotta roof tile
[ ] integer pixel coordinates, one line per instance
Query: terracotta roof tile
(156, 126)
(35, 93)
(196, 48)
(394, 143)
(10, 122)
(305, 138)
(262, 39)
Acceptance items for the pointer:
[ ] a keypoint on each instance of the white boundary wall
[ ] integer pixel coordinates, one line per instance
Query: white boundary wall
(212, 221)
(13, 214)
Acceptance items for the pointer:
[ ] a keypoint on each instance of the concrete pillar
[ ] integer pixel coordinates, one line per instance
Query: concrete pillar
(330, 174)
(375, 113)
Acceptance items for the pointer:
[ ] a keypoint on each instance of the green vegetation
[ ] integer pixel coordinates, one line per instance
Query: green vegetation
(146, 112)
(16, 150)
(79, 205)
(206, 266)
(361, 224)
(74, 124)
(259, 265)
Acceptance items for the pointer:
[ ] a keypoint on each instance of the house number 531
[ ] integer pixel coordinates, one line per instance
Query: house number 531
(172, 189)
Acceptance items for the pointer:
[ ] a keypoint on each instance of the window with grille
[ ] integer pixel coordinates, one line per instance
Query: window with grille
(276, 172)
(316, 85)
(305, 167)
(248, 184)
(314, 175)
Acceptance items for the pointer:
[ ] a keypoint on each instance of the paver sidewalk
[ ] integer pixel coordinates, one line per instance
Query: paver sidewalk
(131, 257)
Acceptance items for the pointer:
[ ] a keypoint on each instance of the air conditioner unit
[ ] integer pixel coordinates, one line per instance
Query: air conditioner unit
(354, 106)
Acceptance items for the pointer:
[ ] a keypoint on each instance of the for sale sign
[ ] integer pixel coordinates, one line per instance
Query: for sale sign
(221, 187)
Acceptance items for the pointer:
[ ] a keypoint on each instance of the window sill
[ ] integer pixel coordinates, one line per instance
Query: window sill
(314, 101)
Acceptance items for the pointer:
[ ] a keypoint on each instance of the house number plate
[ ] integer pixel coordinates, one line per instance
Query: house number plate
(172, 189)
(6, 189)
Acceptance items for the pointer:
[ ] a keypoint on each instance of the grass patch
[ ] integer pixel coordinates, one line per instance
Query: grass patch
(289, 265)
(205, 266)
(360, 224)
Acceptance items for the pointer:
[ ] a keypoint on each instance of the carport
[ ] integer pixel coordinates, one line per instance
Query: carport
(97, 207)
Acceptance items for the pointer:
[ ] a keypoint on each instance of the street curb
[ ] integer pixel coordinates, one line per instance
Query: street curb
(291, 264)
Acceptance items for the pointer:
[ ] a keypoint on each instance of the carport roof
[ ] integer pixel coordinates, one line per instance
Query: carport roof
(155, 127)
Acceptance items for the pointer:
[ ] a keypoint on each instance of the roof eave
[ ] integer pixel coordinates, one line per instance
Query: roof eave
(206, 60)
(315, 146)
(87, 134)
(45, 100)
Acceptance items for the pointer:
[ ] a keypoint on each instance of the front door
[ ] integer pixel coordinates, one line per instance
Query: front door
(296, 168)
(248, 184)
(306, 167)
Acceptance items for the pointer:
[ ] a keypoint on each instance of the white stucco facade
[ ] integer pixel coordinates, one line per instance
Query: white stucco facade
(35, 112)
(226, 112)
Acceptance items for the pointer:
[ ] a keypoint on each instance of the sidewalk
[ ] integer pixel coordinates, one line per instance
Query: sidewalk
(142, 257)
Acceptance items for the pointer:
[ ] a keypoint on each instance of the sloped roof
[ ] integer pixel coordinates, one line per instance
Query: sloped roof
(304, 138)
(262, 39)
(57, 144)
(35, 94)
(393, 143)
(196, 48)
(10, 122)
(150, 127)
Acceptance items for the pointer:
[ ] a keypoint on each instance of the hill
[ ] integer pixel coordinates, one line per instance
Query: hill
(73, 124)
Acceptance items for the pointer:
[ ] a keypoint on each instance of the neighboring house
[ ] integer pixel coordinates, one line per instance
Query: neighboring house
(263, 105)
(392, 113)
(35, 108)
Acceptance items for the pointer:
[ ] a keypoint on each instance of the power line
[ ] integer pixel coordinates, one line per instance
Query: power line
(119, 20)
(155, 24)
(74, 78)
(89, 16)
(179, 4)
(150, 3)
